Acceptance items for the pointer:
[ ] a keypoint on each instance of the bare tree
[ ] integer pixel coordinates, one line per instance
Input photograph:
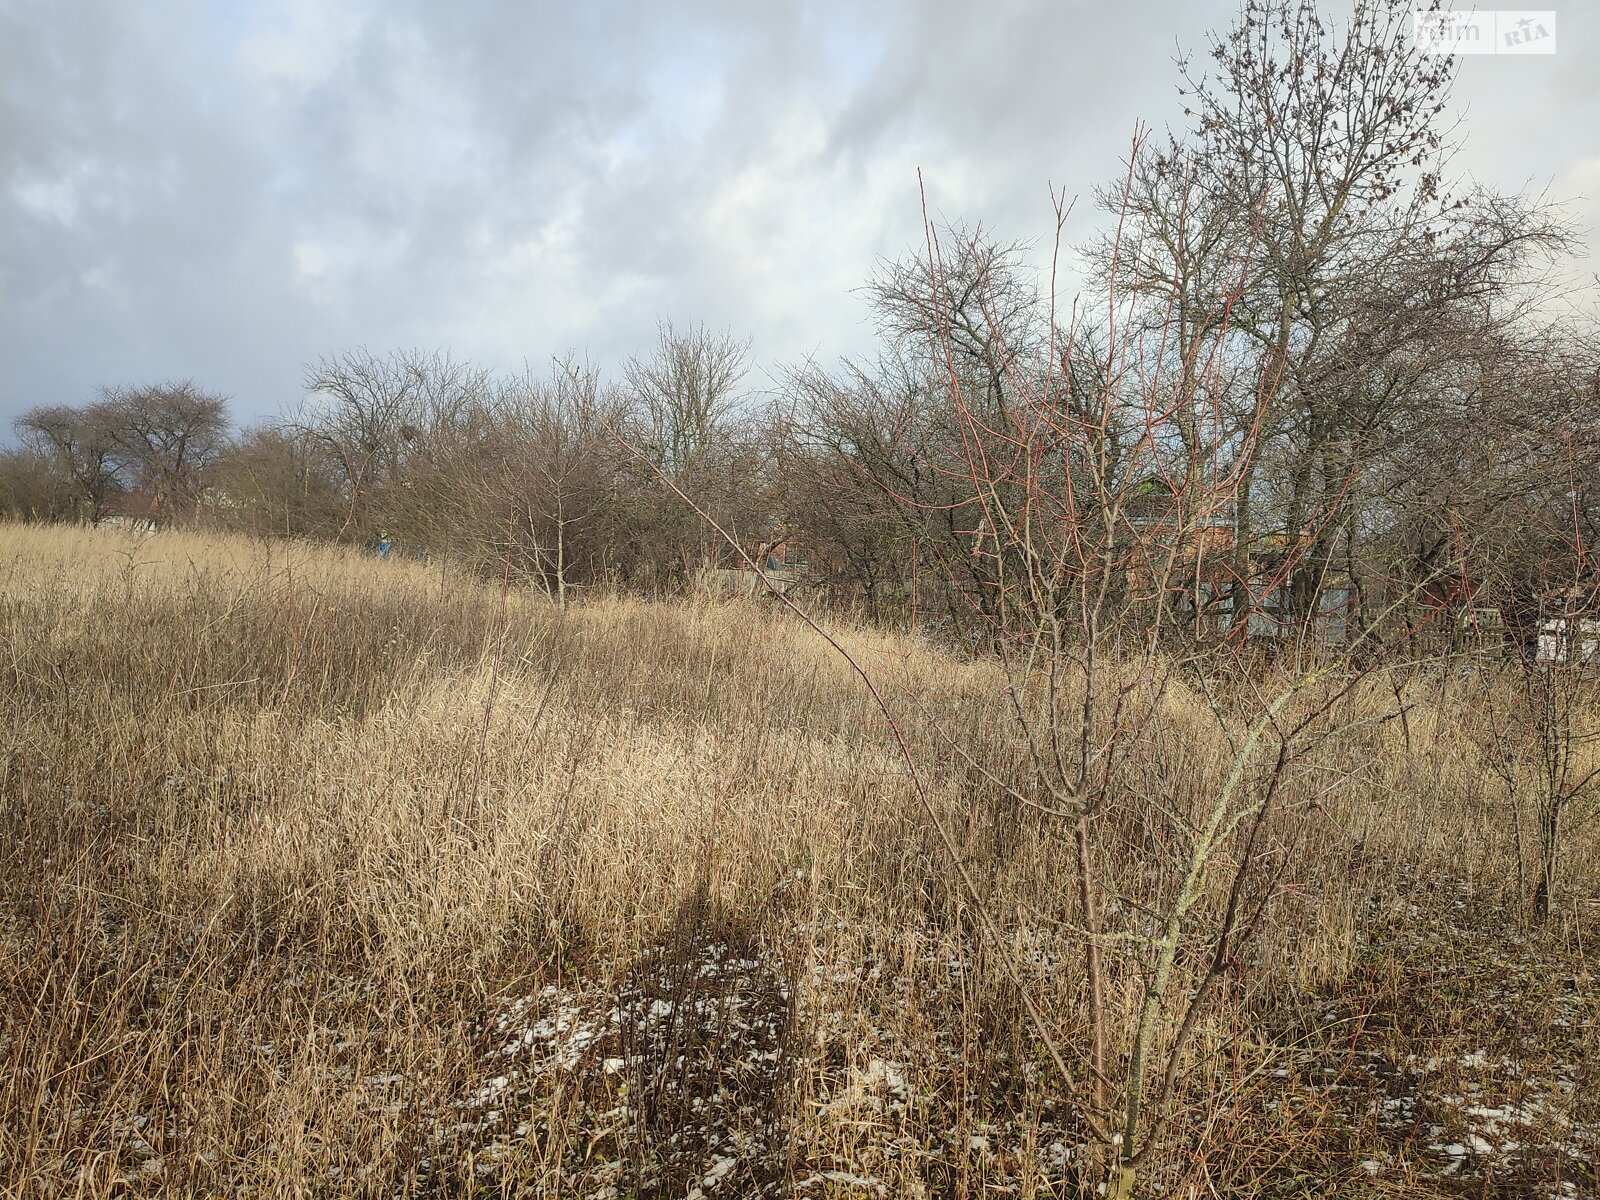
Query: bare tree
(685, 392)
(82, 444)
(1168, 879)
(269, 480)
(168, 435)
(556, 479)
(1319, 150)
(1540, 569)
(978, 312)
(375, 416)
(33, 487)
(686, 410)
(846, 468)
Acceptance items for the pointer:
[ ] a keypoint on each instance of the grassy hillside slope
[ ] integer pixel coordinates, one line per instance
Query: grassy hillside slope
(326, 876)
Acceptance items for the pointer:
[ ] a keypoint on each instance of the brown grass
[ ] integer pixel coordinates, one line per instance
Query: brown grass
(295, 844)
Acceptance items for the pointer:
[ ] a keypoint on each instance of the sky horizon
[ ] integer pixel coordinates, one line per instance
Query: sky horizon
(225, 193)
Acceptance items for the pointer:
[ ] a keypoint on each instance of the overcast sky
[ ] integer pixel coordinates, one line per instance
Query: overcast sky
(224, 191)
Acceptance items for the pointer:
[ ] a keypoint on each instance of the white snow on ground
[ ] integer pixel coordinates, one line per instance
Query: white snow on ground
(682, 1054)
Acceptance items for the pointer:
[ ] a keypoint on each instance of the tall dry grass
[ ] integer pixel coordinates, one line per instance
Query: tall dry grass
(326, 876)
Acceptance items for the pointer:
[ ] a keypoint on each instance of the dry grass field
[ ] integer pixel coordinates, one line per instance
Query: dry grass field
(321, 876)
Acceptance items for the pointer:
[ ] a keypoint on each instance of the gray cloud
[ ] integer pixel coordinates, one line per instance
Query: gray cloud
(225, 192)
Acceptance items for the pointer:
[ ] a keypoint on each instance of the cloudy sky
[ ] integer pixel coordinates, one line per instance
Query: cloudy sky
(224, 191)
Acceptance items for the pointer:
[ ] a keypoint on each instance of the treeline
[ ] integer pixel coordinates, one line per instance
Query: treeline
(1299, 350)
(553, 475)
